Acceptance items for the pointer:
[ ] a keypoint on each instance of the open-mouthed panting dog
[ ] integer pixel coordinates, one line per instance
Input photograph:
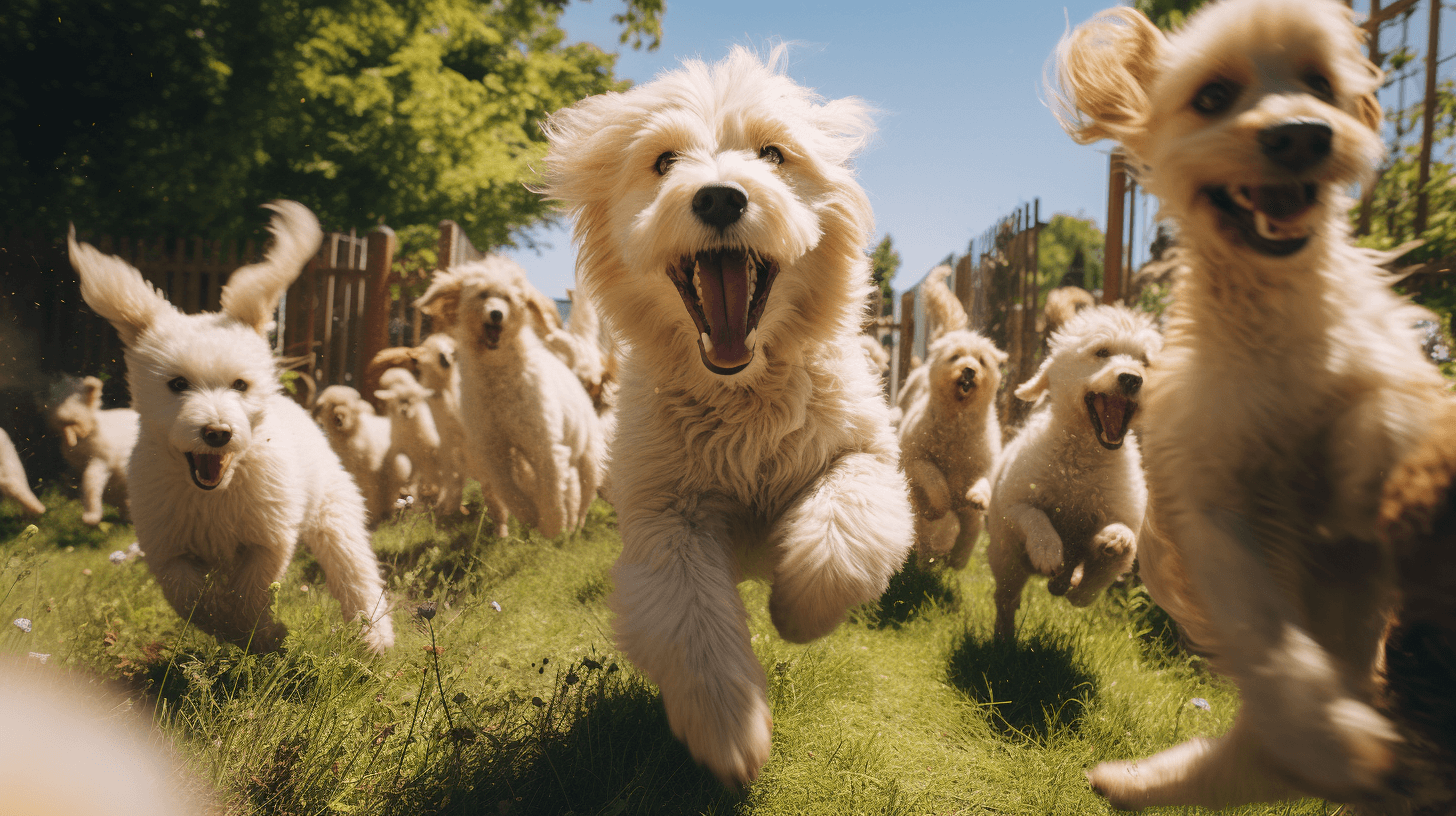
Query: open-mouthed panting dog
(722, 233)
(1067, 494)
(533, 440)
(1290, 384)
(228, 474)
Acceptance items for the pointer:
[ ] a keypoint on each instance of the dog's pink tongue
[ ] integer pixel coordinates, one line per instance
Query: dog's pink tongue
(724, 276)
(1112, 410)
(208, 467)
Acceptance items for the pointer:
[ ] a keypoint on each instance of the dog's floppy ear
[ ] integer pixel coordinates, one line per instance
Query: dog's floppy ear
(1103, 72)
(442, 300)
(1033, 388)
(253, 291)
(91, 393)
(115, 290)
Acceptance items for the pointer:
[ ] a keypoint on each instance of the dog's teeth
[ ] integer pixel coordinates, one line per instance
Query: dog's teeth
(697, 281)
(707, 343)
(1242, 199)
(753, 339)
(1266, 229)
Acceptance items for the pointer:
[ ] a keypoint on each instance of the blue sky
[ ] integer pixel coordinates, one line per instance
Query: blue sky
(964, 136)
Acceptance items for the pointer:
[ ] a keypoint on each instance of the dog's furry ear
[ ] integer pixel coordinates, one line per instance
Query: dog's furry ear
(542, 309)
(441, 301)
(998, 357)
(1032, 389)
(116, 290)
(1103, 73)
(252, 292)
(91, 393)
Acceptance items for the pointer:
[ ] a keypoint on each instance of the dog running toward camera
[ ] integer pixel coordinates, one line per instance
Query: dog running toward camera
(1290, 384)
(722, 234)
(228, 474)
(96, 443)
(1067, 494)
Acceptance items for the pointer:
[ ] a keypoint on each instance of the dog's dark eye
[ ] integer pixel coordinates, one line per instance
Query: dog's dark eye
(772, 155)
(1320, 86)
(1102, 352)
(240, 385)
(178, 384)
(1215, 97)
(665, 163)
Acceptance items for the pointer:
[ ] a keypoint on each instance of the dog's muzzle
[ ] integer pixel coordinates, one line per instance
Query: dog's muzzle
(966, 382)
(725, 291)
(1110, 414)
(1269, 217)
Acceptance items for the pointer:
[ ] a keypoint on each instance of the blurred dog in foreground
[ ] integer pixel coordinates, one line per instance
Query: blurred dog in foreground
(228, 474)
(1290, 385)
(722, 234)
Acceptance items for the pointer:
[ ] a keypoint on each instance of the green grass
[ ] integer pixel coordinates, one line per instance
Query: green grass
(909, 707)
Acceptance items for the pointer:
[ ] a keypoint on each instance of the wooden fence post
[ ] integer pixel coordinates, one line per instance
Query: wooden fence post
(375, 334)
(907, 338)
(1112, 252)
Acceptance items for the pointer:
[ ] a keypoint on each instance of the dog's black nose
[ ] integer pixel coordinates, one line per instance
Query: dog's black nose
(496, 316)
(720, 204)
(1298, 145)
(1130, 383)
(216, 435)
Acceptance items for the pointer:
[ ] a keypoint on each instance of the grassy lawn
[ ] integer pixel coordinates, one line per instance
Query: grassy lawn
(511, 699)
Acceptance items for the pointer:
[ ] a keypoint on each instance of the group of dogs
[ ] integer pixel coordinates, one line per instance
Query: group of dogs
(1290, 510)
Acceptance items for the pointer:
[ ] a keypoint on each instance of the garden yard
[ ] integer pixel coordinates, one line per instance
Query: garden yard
(505, 695)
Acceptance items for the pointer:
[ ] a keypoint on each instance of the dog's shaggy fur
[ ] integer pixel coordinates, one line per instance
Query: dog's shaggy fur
(722, 234)
(533, 441)
(948, 442)
(1291, 383)
(440, 374)
(96, 443)
(1063, 302)
(361, 438)
(13, 482)
(412, 431)
(229, 474)
(1067, 495)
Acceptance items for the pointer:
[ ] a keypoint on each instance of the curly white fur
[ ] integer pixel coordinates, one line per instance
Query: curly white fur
(228, 474)
(761, 448)
(96, 443)
(439, 373)
(1291, 383)
(1067, 494)
(412, 431)
(362, 438)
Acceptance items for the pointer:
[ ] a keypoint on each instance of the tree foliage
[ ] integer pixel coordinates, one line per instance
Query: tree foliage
(1167, 14)
(884, 264)
(1393, 206)
(1058, 245)
(182, 117)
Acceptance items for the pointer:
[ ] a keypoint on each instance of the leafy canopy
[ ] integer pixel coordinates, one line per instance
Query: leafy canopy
(132, 116)
(1058, 246)
(884, 264)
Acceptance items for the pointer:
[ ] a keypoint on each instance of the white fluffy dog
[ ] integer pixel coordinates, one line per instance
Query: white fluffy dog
(13, 482)
(412, 431)
(1068, 495)
(435, 357)
(96, 443)
(532, 439)
(228, 474)
(361, 438)
(1290, 384)
(722, 233)
(950, 436)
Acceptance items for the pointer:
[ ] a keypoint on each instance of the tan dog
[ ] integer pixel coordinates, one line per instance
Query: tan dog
(97, 444)
(722, 235)
(1290, 384)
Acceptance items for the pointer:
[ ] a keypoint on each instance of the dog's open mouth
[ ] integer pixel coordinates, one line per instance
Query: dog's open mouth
(724, 291)
(490, 335)
(966, 382)
(1110, 414)
(208, 468)
(1269, 217)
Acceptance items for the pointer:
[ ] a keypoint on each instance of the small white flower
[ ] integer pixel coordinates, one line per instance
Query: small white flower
(495, 606)
(400, 504)
(1201, 704)
(118, 557)
(23, 624)
(39, 656)
(134, 551)
(409, 501)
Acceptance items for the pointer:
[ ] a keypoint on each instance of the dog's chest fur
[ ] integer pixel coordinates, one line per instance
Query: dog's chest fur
(1082, 486)
(962, 441)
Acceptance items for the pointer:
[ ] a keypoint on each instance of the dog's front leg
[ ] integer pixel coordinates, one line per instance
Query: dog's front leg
(232, 605)
(837, 545)
(1043, 544)
(972, 518)
(1110, 555)
(93, 487)
(681, 620)
(929, 492)
(340, 543)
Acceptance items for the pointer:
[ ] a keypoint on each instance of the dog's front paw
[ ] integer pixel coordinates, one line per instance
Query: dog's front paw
(379, 636)
(1120, 783)
(726, 727)
(978, 497)
(1045, 554)
(1114, 542)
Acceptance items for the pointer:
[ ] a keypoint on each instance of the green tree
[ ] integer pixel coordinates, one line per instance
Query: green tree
(131, 116)
(1167, 14)
(1393, 206)
(884, 264)
(1058, 246)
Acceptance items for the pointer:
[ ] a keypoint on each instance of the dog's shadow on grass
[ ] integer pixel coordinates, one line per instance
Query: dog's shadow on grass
(913, 592)
(1031, 688)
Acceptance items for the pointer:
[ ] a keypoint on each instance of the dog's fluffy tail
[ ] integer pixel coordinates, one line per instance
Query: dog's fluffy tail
(944, 312)
(253, 291)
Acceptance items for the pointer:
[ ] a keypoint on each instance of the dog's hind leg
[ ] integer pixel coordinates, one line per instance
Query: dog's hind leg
(93, 488)
(681, 620)
(338, 539)
(1009, 568)
(1213, 773)
(837, 545)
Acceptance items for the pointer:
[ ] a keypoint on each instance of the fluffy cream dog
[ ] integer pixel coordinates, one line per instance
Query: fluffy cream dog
(533, 439)
(440, 374)
(722, 234)
(13, 482)
(1290, 384)
(96, 443)
(949, 436)
(361, 439)
(412, 431)
(228, 474)
(1067, 495)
